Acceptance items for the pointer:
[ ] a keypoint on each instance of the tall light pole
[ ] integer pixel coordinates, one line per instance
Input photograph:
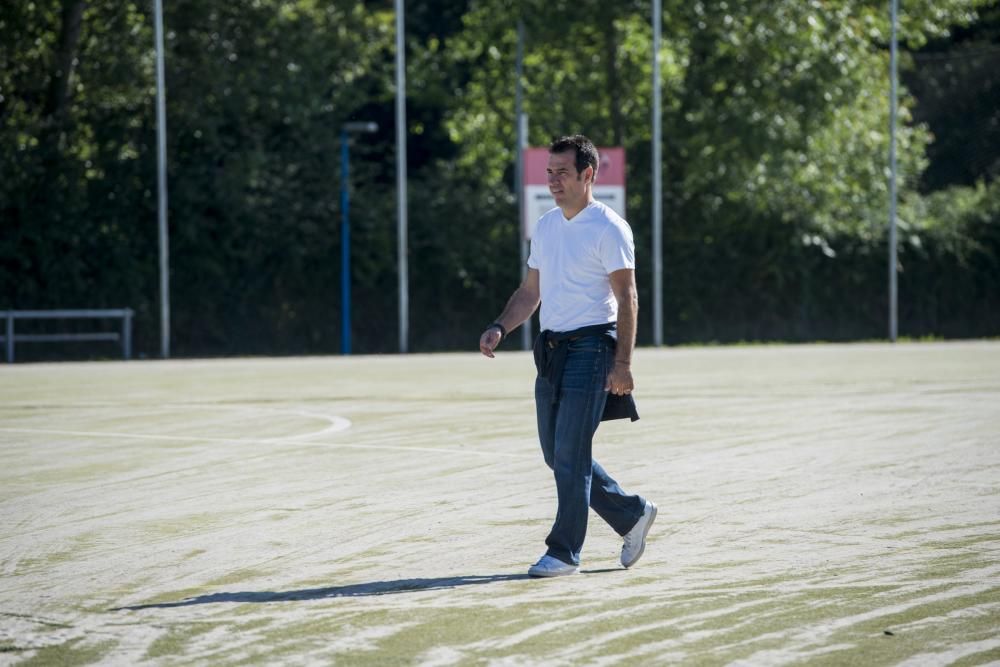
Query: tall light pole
(522, 142)
(657, 183)
(893, 104)
(161, 183)
(401, 210)
(346, 130)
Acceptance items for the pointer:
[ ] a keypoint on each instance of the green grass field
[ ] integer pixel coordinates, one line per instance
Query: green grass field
(830, 504)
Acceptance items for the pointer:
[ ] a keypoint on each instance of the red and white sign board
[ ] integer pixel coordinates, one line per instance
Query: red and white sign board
(537, 200)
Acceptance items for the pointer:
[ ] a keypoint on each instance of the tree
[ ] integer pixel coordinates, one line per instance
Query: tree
(256, 96)
(775, 143)
(775, 130)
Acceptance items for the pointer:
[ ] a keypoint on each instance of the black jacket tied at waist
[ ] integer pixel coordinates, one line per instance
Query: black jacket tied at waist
(550, 359)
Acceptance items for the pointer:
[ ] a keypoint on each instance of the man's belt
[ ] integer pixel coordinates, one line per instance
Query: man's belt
(550, 352)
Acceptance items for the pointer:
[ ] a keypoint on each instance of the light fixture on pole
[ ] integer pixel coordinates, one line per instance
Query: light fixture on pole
(346, 130)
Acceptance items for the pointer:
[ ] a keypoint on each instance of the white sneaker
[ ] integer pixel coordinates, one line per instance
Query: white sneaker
(635, 539)
(547, 566)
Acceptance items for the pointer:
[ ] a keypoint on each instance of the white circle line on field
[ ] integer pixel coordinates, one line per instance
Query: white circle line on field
(336, 423)
(156, 436)
(298, 440)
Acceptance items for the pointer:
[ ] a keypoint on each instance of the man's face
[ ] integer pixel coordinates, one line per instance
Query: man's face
(567, 186)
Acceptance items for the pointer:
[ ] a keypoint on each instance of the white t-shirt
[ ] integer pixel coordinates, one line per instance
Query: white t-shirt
(574, 258)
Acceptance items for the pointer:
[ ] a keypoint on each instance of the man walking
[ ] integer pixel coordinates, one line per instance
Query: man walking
(582, 270)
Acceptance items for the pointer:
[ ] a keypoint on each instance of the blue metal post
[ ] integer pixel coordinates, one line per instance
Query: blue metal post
(345, 247)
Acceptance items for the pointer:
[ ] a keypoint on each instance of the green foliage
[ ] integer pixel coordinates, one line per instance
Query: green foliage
(256, 95)
(776, 143)
(75, 171)
(957, 81)
(260, 93)
(775, 122)
(961, 221)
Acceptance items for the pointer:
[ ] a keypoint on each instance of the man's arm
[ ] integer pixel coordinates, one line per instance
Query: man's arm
(623, 285)
(520, 306)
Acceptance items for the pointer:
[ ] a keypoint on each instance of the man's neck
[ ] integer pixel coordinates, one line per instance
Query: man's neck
(570, 212)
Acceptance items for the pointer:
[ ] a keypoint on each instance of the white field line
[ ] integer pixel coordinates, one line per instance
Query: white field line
(298, 440)
(336, 424)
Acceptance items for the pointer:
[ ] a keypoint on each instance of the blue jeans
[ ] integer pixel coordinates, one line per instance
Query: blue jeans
(566, 429)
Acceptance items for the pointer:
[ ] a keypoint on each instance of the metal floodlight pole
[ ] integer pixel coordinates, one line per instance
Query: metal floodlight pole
(657, 184)
(522, 142)
(161, 183)
(345, 228)
(893, 105)
(401, 221)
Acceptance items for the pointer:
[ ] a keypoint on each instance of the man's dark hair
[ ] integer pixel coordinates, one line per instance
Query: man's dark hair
(585, 154)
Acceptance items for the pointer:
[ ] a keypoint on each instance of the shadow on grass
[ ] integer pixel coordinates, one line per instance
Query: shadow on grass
(352, 591)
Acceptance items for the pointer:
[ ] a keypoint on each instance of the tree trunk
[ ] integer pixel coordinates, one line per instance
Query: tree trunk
(55, 112)
(58, 95)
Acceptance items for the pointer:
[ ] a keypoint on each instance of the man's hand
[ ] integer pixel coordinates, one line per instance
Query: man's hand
(489, 341)
(620, 380)
(520, 306)
(623, 285)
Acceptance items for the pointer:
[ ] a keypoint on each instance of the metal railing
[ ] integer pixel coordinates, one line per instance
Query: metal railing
(9, 338)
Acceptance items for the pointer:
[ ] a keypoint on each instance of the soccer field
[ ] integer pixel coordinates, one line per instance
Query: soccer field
(827, 504)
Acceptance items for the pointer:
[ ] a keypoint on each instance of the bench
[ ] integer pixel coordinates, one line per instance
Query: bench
(124, 337)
